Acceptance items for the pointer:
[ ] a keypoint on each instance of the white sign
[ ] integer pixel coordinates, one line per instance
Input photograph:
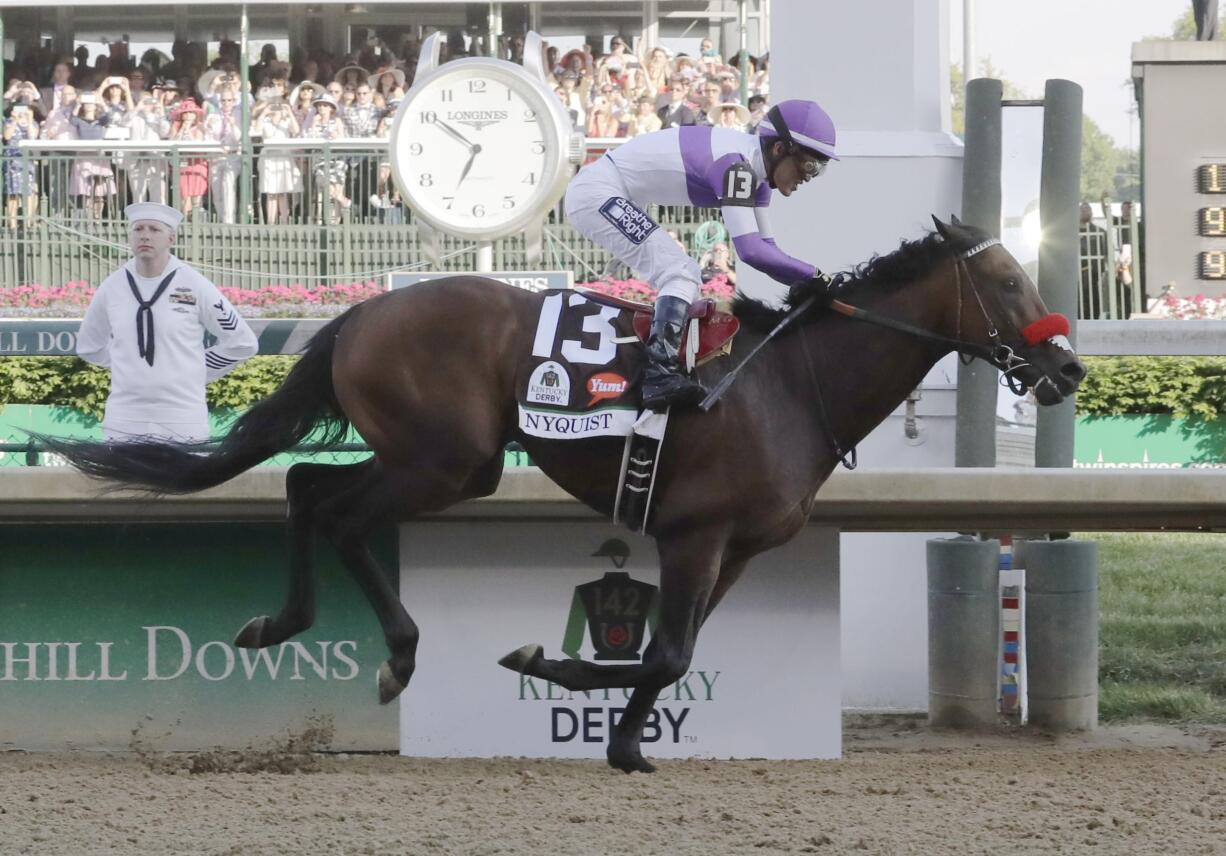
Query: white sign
(764, 681)
(529, 280)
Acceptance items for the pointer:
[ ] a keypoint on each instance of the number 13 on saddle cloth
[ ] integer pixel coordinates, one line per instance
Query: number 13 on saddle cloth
(587, 359)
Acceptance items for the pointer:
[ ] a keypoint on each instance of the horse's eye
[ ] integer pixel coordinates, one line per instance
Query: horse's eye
(1012, 285)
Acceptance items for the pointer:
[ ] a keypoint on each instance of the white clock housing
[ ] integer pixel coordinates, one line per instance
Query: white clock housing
(481, 149)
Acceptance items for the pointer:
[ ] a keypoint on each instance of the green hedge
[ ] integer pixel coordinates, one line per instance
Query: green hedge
(1181, 386)
(1116, 386)
(70, 382)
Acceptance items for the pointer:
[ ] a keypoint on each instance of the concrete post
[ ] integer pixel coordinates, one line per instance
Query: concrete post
(975, 440)
(1062, 634)
(1058, 253)
(963, 632)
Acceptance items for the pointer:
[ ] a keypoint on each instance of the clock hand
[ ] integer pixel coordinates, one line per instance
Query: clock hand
(453, 132)
(472, 157)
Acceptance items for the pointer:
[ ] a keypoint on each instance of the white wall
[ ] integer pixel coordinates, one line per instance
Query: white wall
(882, 72)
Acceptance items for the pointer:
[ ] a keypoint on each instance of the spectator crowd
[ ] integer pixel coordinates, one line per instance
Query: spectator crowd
(313, 96)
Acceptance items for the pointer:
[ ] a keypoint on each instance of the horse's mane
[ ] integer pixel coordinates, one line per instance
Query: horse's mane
(913, 260)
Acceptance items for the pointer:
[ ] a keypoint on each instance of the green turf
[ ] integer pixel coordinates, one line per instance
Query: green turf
(1162, 628)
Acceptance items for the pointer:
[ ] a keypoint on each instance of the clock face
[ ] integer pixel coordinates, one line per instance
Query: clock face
(476, 148)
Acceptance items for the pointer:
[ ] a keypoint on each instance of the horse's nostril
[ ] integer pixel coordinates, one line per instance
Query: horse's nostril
(1074, 371)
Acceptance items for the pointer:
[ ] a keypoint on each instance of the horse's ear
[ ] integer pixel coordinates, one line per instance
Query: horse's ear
(942, 229)
(953, 218)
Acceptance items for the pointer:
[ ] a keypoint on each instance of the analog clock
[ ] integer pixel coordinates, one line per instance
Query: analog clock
(481, 149)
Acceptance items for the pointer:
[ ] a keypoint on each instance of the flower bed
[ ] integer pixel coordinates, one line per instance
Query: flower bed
(717, 288)
(274, 301)
(288, 301)
(1198, 308)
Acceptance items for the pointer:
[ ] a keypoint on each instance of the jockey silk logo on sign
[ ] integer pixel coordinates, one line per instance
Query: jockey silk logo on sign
(629, 219)
(581, 386)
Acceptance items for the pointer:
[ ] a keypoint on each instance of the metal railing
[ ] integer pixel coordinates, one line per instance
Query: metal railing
(75, 230)
(1111, 286)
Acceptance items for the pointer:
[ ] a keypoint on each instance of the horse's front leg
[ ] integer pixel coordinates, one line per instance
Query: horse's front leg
(689, 568)
(624, 752)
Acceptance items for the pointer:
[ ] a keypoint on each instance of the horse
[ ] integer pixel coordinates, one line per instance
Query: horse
(428, 377)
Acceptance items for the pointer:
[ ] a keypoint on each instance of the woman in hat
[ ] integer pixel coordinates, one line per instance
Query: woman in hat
(601, 120)
(280, 174)
(730, 115)
(91, 178)
(20, 181)
(187, 126)
(645, 119)
(351, 75)
(116, 97)
(387, 81)
(300, 103)
(658, 70)
(330, 170)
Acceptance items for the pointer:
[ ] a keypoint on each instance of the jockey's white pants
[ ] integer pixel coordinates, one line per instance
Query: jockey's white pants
(598, 206)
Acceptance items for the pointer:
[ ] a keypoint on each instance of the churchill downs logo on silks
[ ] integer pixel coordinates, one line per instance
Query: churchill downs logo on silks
(629, 219)
(616, 611)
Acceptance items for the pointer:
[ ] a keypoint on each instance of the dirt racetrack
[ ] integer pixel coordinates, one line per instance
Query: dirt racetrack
(901, 789)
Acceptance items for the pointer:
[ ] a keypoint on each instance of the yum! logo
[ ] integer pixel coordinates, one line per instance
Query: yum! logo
(605, 385)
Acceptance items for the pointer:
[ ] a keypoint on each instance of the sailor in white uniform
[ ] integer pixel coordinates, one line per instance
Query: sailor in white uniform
(147, 324)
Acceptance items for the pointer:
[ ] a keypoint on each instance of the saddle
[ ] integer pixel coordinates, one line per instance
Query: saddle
(715, 328)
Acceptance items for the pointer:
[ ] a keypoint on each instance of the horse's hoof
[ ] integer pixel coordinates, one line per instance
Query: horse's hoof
(252, 632)
(630, 762)
(389, 685)
(519, 659)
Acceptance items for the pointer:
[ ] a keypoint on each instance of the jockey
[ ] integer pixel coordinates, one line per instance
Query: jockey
(706, 167)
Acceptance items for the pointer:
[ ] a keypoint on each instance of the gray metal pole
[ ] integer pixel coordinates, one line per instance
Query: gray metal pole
(3, 85)
(963, 632)
(245, 172)
(975, 430)
(968, 40)
(1058, 253)
(742, 27)
(1062, 634)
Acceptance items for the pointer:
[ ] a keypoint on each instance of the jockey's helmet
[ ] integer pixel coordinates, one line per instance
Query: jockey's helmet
(799, 124)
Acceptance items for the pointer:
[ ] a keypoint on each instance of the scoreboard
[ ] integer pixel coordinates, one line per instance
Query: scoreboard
(1183, 165)
(1211, 222)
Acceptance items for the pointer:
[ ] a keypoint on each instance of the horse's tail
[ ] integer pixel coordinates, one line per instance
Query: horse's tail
(305, 401)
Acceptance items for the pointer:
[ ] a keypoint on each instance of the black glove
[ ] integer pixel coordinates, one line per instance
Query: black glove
(824, 286)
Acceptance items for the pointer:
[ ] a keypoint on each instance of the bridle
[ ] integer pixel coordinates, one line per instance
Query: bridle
(996, 351)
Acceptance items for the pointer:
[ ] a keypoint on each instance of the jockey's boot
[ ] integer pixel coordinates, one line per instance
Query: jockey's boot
(663, 382)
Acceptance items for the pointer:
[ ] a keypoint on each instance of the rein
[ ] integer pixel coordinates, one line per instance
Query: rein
(998, 354)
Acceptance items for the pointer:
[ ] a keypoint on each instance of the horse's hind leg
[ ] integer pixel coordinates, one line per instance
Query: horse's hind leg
(388, 495)
(305, 486)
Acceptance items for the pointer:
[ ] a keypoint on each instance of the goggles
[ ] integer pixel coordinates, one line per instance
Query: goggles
(813, 168)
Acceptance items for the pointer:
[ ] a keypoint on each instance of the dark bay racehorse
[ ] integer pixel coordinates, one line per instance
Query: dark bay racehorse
(428, 377)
